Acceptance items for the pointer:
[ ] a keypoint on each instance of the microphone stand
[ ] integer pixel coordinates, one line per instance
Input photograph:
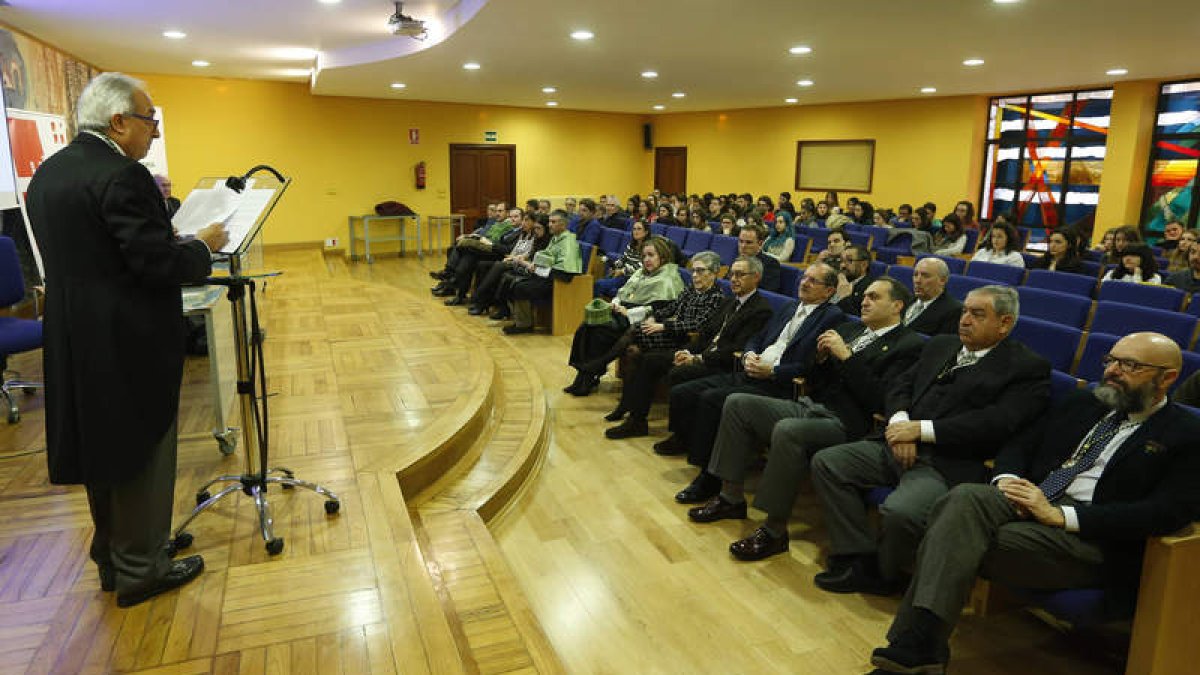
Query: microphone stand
(251, 390)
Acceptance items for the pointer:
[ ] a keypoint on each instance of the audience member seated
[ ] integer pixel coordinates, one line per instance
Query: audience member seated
(588, 228)
(471, 251)
(666, 216)
(824, 210)
(835, 246)
(726, 331)
(881, 219)
(1002, 247)
(782, 351)
(782, 241)
(951, 239)
(1123, 237)
(766, 208)
(903, 217)
(1062, 252)
(855, 364)
(934, 312)
(862, 213)
(750, 243)
(495, 224)
(612, 216)
(629, 262)
(569, 205)
(543, 207)
(947, 415)
(921, 233)
(1188, 279)
(853, 279)
(805, 217)
(931, 211)
(1071, 505)
(965, 212)
(560, 258)
(1106, 248)
(534, 236)
(1172, 232)
(598, 340)
(785, 204)
(1177, 258)
(727, 225)
(1137, 264)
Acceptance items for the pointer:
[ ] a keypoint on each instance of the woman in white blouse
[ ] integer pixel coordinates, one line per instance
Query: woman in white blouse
(1137, 264)
(1001, 247)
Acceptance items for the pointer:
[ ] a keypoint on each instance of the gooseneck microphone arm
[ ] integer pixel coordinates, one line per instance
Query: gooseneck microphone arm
(238, 183)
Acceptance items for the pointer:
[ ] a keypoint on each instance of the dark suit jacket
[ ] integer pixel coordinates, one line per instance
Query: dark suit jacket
(172, 205)
(940, 318)
(974, 410)
(854, 389)
(113, 335)
(590, 231)
(852, 304)
(801, 351)
(770, 276)
(747, 321)
(1148, 487)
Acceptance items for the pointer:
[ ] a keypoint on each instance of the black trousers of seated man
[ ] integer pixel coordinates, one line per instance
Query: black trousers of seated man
(696, 409)
(466, 262)
(637, 393)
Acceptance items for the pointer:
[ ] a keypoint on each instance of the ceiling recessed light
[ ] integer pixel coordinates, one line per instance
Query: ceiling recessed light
(928, 90)
(801, 49)
(649, 74)
(678, 94)
(791, 100)
(329, 2)
(470, 65)
(295, 72)
(174, 34)
(660, 107)
(201, 63)
(551, 103)
(1117, 71)
(398, 85)
(549, 90)
(1006, 2)
(582, 35)
(973, 62)
(804, 83)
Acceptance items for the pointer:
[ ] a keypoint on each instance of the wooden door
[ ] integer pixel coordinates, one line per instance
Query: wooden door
(480, 175)
(670, 170)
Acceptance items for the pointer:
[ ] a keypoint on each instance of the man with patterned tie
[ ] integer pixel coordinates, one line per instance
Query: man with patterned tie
(1073, 500)
(934, 312)
(855, 362)
(947, 415)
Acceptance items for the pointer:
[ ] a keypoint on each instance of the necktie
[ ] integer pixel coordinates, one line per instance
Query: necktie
(794, 325)
(1084, 457)
(862, 341)
(914, 311)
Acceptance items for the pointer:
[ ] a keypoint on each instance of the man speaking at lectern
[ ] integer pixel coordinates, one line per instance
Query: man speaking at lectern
(114, 334)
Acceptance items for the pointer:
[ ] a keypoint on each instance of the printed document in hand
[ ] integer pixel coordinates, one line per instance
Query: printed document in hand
(219, 204)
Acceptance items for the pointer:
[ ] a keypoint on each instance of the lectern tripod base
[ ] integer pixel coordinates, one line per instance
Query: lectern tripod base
(255, 486)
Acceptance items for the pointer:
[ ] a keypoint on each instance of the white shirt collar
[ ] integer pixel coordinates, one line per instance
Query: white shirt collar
(108, 141)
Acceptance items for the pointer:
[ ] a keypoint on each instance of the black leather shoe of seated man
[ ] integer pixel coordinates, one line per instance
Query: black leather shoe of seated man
(179, 573)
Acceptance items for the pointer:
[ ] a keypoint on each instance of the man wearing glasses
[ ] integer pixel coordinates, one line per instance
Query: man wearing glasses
(114, 338)
(853, 280)
(1072, 502)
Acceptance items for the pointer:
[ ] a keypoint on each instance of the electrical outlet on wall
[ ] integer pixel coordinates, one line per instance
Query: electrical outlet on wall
(331, 242)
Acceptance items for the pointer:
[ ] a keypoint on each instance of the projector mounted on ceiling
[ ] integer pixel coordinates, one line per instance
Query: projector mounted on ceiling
(402, 24)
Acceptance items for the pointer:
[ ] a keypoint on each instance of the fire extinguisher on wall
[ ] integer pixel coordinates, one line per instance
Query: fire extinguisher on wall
(420, 177)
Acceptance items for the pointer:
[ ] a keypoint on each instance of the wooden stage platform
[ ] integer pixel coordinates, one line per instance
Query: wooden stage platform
(486, 525)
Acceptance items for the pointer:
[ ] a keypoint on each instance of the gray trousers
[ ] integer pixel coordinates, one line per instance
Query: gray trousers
(840, 476)
(133, 519)
(792, 429)
(973, 530)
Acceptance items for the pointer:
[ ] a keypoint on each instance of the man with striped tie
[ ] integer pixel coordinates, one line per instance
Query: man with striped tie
(1072, 502)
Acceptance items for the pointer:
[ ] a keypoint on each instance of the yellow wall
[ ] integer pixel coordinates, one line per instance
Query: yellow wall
(347, 154)
(925, 149)
(1127, 158)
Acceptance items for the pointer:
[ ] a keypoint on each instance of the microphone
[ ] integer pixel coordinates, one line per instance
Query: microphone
(238, 183)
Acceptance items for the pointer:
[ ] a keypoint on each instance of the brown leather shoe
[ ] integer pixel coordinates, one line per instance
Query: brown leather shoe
(761, 544)
(716, 509)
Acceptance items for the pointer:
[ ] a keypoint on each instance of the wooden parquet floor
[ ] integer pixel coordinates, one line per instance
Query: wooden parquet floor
(486, 525)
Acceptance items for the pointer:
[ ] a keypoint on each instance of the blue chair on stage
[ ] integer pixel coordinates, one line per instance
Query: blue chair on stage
(16, 335)
(1067, 309)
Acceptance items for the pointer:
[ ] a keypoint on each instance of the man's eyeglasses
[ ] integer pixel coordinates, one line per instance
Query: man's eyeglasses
(697, 269)
(812, 280)
(1128, 366)
(149, 119)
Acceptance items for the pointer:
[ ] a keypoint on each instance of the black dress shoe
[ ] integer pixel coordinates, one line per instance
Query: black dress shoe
(630, 428)
(910, 653)
(670, 446)
(589, 384)
(617, 413)
(179, 573)
(703, 488)
(716, 509)
(860, 577)
(455, 301)
(500, 315)
(517, 330)
(444, 291)
(475, 310)
(761, 544)
(108, 578)
(437, 274)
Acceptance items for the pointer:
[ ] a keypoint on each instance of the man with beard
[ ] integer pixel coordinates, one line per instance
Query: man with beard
(1071, 504)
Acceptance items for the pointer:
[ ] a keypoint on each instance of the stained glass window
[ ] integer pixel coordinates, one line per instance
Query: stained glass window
(1045, 157)
(1174, 156)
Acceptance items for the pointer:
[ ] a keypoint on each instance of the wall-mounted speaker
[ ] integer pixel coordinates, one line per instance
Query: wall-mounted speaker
(647, 136)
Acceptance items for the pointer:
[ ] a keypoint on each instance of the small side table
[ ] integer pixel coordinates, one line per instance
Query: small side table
(436, 223)
(367, 238)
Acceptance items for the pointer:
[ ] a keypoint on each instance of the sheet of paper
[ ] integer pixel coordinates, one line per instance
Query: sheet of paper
(250, 206)
(204, 207)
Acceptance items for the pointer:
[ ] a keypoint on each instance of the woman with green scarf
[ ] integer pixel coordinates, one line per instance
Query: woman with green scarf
(782, 240)
(596, 339)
